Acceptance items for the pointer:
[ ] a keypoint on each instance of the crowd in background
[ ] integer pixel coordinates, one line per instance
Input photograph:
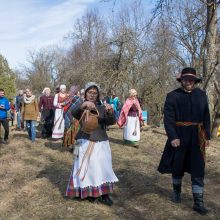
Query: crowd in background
(50, 110)
(80, 117)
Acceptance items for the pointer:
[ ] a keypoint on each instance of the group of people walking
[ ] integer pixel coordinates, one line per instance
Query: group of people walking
(82, 119)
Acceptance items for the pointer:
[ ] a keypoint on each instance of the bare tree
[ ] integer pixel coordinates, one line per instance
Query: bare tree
(195, 24)
(42, 69)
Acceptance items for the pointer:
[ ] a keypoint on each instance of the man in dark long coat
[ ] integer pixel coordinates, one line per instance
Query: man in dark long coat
(187, 124)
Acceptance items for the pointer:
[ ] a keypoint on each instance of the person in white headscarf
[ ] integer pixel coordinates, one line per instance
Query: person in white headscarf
(92, 175)
(58, 103)
(131, 119)
(47, 112)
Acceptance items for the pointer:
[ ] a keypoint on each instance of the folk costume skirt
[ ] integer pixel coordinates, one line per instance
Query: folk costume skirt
(93, 176)
(70, 134)
(58, 129)
(132, 131)
(47, 120)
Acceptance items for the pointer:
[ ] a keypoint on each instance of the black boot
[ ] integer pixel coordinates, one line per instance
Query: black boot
(94, 200)
(176, 198)
(107, 200)
(198, 204)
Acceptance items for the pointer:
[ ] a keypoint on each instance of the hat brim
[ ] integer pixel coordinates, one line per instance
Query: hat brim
(190, 78)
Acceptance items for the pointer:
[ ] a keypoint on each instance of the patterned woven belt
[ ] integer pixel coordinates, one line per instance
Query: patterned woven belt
(201, 134)
(187, 123)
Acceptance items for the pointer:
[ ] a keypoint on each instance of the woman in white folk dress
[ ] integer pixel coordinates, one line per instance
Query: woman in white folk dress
(92, 175)
(131, 119)
(59, 100)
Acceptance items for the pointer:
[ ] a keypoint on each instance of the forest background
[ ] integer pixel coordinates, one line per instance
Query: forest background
(130, 49)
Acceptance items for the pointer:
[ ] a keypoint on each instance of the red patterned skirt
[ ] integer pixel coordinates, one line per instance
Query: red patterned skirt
(90, 191)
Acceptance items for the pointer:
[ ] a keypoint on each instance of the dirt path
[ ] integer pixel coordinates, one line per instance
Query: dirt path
(33, 180)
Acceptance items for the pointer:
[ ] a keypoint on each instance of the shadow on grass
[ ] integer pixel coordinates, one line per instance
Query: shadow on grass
(25, 134)
(21, 135)
(116, 141)
(162, 132)
(54, 145)
(133, 184)
(133, 187)
(58, 174)
(114, 127)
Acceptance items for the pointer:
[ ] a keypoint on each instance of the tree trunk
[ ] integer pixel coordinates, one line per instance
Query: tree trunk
(210, 71)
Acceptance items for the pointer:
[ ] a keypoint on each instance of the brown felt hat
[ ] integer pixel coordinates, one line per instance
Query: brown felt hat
(189, 73)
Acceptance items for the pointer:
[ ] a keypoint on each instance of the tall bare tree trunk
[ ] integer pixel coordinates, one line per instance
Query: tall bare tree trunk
(211, 82)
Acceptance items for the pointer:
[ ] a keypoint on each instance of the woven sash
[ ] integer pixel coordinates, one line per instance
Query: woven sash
(201, 133)
(87, 156)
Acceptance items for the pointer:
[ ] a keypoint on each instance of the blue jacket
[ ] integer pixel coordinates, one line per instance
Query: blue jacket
(3, 112)
(115, 102)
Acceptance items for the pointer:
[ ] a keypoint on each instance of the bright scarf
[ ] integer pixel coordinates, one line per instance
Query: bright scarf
(125, 109)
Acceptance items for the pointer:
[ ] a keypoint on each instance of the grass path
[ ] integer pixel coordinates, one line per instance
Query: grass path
(33, 180)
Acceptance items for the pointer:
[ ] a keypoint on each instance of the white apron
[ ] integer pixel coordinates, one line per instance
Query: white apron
(95, 171)
(58, 129)
(132, 125)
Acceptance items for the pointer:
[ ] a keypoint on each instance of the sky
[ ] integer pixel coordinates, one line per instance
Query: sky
(28, 25)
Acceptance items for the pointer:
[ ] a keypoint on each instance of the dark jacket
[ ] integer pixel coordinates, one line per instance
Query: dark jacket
(18, 102)
(100, 133)
(46, 102)
(181, 106)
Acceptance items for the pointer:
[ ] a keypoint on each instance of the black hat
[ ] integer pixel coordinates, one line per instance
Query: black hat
(189, 73)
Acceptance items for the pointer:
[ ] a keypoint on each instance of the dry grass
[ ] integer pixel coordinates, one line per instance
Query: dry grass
(33, 180)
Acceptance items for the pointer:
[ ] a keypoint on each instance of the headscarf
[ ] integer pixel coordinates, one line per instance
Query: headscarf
(132, 92)
(72, 93)
(62, 87)
(126, 107)
(90, 85)
(46, 88)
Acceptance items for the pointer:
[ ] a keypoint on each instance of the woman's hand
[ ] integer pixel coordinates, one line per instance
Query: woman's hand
(88, 105)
